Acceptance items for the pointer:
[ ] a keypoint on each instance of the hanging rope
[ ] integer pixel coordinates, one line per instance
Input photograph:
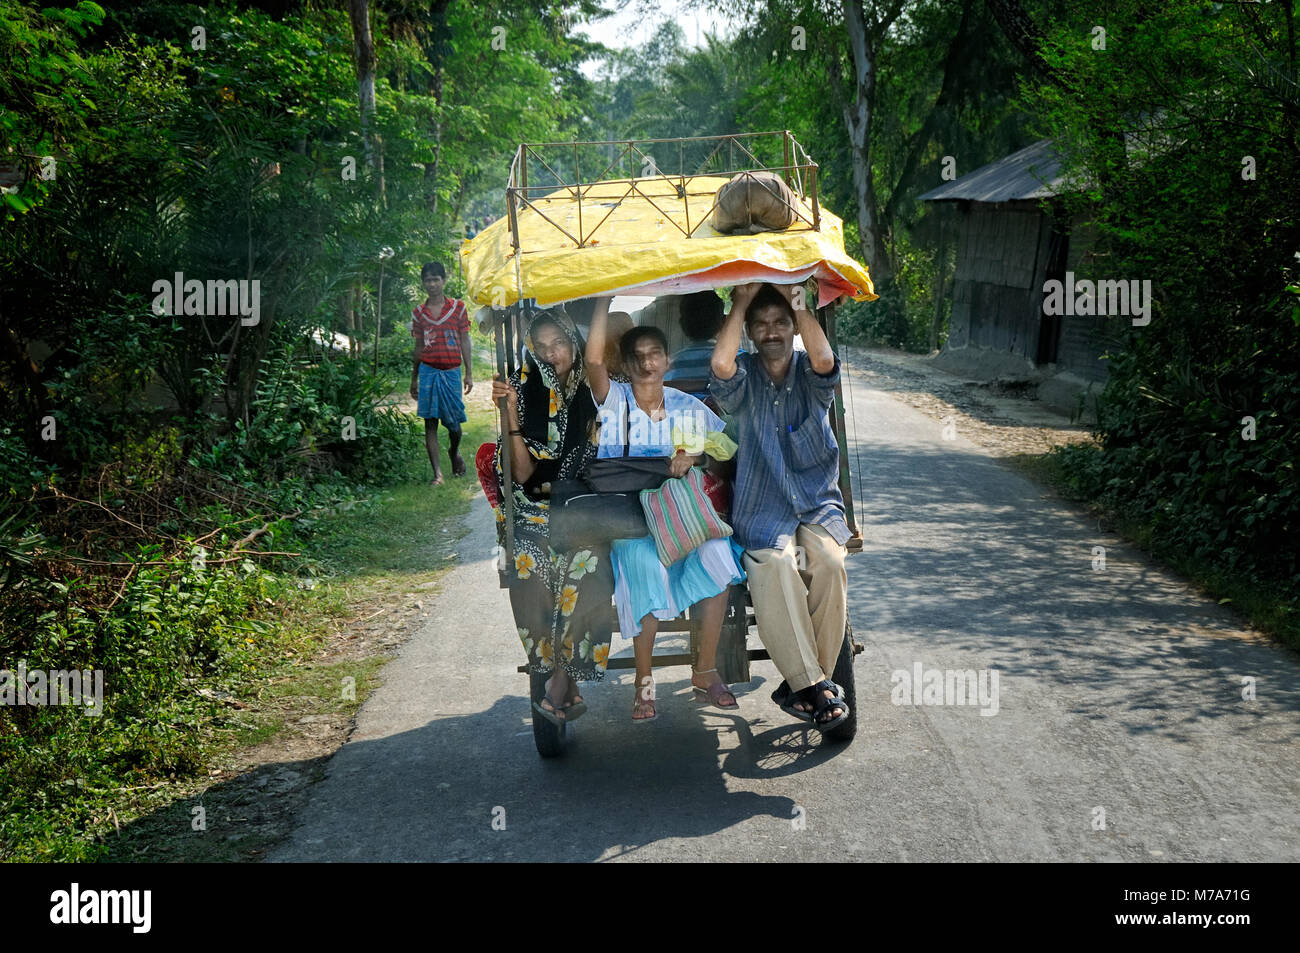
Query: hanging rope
(857, 447)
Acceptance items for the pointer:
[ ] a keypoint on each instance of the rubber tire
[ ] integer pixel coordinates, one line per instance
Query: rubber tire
(550, 739)
(843, 677)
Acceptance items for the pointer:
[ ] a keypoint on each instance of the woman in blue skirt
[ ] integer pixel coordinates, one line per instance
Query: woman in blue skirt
(637, 419)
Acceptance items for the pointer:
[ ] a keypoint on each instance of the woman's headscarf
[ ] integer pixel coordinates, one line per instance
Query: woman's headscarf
(557, 421)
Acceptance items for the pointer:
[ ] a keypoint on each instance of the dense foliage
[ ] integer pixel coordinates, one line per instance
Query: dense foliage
(160, 468)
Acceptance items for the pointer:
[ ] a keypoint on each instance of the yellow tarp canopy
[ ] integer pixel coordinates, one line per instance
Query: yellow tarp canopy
(633, 247)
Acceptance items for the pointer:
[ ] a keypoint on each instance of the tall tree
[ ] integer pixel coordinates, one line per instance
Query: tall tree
(363, 47)
(424, 23)
(867, 25)
(1179, 124)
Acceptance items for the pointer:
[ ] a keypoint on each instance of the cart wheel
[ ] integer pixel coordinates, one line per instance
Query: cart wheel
(843, 677)
(549, 738)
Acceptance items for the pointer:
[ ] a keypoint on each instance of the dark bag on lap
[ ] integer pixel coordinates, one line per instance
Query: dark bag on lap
(581, 518)
(605, 504)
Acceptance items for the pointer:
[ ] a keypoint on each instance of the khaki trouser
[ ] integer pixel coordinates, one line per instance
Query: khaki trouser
(800, 613)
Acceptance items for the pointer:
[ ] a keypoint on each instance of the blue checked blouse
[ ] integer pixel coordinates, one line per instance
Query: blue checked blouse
(787, 467)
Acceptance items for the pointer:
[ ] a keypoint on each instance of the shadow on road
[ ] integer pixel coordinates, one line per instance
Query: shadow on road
(618, 788)
(444, 791)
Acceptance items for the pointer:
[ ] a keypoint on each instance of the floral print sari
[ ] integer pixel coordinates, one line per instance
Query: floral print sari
(561, 601)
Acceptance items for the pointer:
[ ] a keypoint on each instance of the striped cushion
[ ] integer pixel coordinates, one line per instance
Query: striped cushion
(681, 517)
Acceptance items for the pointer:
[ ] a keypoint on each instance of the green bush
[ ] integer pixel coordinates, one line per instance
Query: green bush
(168, 624)
(1175, 452)
(902, 315)
(315, 417)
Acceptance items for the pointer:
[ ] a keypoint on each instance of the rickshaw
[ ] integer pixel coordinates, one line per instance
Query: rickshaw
(566, 237)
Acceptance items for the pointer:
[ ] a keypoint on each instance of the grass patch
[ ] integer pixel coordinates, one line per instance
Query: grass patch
(408, 536)
(1269, 606)
(239, 816)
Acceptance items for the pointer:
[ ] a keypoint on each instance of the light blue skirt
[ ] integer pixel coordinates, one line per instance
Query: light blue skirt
(643, 586)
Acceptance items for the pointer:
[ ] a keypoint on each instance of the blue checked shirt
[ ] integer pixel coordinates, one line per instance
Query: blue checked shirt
(788, 464)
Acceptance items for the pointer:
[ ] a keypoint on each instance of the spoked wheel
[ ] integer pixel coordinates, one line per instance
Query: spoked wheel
(550, 739)
(843, 677)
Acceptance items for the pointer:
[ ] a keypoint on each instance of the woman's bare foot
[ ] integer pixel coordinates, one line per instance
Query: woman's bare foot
(437, 479)
(559, 685)
(574, 706)
(457, 466)
(554, 709)
(554, 700)
(643, 707)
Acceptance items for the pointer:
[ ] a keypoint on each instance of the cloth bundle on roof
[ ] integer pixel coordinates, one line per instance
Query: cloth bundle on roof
(754, 202)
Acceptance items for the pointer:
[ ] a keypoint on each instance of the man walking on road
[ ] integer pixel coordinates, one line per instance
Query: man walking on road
(788, 511)
(440, 327)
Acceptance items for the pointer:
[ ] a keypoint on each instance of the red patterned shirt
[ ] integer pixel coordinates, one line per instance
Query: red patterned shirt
(437, 339)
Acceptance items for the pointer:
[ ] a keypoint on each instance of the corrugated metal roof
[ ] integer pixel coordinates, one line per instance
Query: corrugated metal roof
(1032, 173)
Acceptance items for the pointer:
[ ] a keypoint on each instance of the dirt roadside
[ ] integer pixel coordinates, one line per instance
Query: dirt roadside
(1003, 419)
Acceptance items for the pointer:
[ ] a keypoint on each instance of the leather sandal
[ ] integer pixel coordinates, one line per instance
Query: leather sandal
(823, 705)
(715, 691)
(641, 704)
(785, 699)
(644, 704)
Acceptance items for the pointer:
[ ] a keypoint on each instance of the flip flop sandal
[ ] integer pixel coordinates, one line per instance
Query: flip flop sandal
(785, 699)
(574, 709)
(550, 714)
(822, 704)
(571, 710)
(715, 692)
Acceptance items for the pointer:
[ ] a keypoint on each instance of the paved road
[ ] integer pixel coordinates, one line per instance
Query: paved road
(1118, 691)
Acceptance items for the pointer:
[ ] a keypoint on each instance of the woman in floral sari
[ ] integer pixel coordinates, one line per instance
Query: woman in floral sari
(560, 600)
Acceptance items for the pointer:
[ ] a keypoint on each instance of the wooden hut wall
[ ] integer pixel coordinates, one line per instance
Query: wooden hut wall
(998, 284)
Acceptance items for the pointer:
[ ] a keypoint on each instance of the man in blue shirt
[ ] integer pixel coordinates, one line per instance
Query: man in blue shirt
(788, 512)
